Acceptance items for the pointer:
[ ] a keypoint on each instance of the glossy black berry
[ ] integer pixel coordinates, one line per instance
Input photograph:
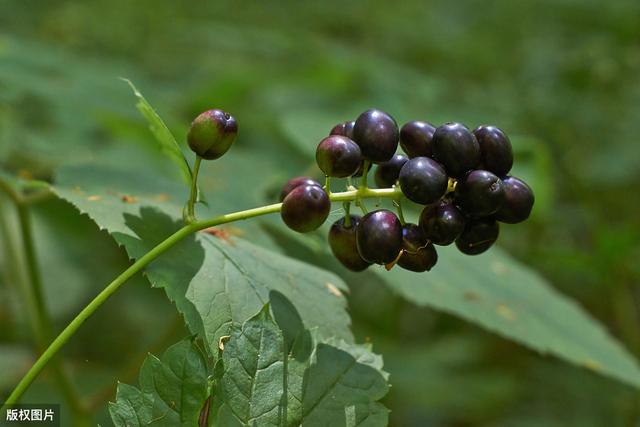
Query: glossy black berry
(478, 236)
(479, 193)
(377, 134)
(518, 201)
(305, 208)
(496, 154)
(379, 237)
(442, 222)
(212, 133)
(342, 240)
(338, 156)
(416, 139)
(343, 129)
(387, 173)
(296, 182)
(423, 180)
(418, 254)
(456, 148)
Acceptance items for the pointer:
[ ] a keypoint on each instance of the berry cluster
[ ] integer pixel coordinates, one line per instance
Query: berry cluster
(461, 177)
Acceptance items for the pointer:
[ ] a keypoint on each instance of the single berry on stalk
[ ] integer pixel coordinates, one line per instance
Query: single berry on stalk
(423, 180)
(387, 173)
(343, 129)
(479, 193)
(296, 182)
(342, 240)
(416, 139)
(442, 222)
(212, 133)
(377, 134)
(478, 236)
(418, 254)
(518, 201)
(338, 156)
(496, 154)
(305, 208)
(379, 237)
(456, 148)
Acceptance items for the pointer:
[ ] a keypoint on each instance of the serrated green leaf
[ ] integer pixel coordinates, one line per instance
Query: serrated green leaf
(172, 391)
(254, 360)
(215, 282)
(263, 384)
(500, 294)
(163, 135)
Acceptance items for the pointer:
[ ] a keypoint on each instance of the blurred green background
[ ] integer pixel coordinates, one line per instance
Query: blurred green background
(562, 78)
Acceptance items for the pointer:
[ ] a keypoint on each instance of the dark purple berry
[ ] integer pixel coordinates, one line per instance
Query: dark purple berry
(377, 134)
(480, 193)
(442, 222)
(456, 148)
(423, 180)
(518, 201)
(478, 236)
(387, 173)
(343, 129)
(212, 133)
(416, 139)
(338, 156)
(379, 237)
(342, 240)
(496, 154)
(296, 182)
(305, 208)
(418, 254)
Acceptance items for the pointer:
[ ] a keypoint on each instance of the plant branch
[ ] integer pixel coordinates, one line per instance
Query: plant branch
(191, 216)
(74, 325)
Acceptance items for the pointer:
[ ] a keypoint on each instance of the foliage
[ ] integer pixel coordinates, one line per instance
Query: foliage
(564, 84)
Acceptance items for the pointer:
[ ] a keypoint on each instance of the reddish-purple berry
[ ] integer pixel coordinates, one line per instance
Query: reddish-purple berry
(496, 154)
(518, 201)
(456, 148)
(305, 208)
(212, 133)
(296, 182)
(416, 139)
(379, 237)
(338, 156)
(342, 240)
(387, 173)
(377, 134)
(442, 222)
(418, 254)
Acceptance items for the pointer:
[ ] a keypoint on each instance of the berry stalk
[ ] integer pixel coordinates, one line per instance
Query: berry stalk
(190, 215)
(168, 243)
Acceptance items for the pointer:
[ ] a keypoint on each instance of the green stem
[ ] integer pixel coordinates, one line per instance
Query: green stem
(191, 216)
(365, 171)
(42, 323)
(162, 247)
(327, 184)
(347, 212)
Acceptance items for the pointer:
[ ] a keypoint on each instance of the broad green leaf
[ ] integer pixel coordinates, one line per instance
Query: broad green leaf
(173, 390)
(263, 383)
(254, 364)
(495, 291)
(215, 281)
(168, 143)
(500, 294)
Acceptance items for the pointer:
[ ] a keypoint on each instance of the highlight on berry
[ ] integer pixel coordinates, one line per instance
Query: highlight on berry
(458, 178)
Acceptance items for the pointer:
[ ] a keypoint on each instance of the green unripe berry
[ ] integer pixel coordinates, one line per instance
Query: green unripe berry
(212, 133)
